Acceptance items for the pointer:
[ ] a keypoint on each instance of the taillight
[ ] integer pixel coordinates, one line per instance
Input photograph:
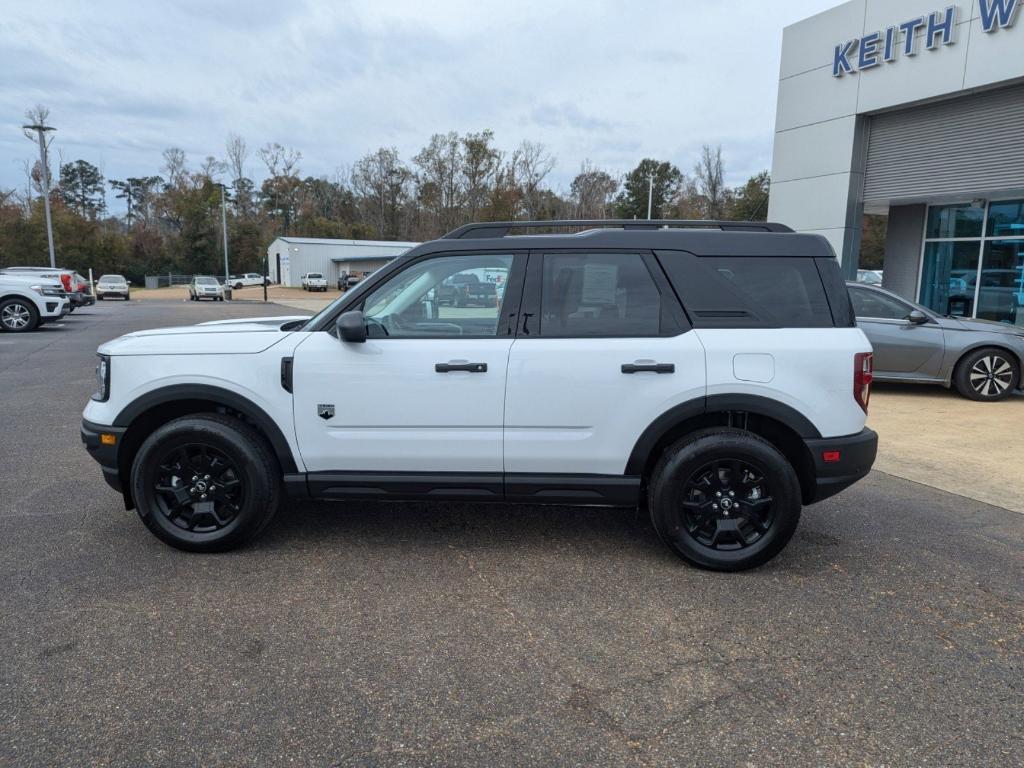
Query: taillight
(863, 375)
(66, 281)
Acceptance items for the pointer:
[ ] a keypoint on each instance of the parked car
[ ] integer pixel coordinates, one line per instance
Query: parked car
(246, 280)
(76, 287)
(980, 359)
(28, 301)
(205, 287)
(466, 290)
(110, 286)
(869, 276)
(625, 366)
(314, 281)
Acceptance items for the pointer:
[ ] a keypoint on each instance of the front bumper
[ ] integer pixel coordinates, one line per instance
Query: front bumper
(105, 455)
(839, 462)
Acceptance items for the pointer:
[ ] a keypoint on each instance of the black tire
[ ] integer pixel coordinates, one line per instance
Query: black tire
(698, 476)
(99, 298)
(987, 375)
(18, 315)
(237, 286)
(236, 456)
(127, 297)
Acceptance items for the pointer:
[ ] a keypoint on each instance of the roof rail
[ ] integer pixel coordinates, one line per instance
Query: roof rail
(489, 229)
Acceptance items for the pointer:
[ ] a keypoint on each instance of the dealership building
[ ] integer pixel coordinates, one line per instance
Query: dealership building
(900, 108)
(289, 258)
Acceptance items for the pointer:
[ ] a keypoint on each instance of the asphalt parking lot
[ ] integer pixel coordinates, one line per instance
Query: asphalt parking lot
(888, 633)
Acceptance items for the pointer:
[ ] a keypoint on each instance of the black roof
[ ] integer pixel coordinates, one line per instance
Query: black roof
(702, 238)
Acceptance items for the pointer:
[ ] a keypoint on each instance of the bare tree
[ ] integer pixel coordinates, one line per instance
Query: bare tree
(381, 182)
(174, 167)
(711, 182)
(533, 164)
(439, 181)
(211, 167)
(280, 161)
(237, 153)
(592, 191)
(480, 162)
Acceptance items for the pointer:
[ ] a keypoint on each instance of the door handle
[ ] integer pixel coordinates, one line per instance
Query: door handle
(648, 368)
(467, 367)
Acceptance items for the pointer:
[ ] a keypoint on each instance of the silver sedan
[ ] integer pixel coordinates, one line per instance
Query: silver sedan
(981, 359)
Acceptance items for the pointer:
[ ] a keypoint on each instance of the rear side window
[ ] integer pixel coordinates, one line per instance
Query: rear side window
(788, 291)
(598, 295)
(750, 291)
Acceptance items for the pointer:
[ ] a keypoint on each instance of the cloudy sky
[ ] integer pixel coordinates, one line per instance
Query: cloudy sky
(611, 82)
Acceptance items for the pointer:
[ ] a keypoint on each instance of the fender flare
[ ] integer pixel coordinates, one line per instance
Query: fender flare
(754, 404)
(225, 397)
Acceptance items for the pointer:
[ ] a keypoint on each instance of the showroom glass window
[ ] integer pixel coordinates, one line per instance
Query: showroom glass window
(973, 263)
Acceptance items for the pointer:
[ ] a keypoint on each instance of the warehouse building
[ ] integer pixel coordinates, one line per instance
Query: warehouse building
(901, 108)
(289, 258)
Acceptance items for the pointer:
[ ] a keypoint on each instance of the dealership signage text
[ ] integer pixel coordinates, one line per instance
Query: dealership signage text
(939, 29)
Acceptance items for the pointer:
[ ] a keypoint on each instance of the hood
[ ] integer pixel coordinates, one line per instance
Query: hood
(231, 337)
(28, 280)
(274, 322)
(980, 326)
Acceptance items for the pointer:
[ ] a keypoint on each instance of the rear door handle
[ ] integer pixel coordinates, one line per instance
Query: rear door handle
(648, 368)
(460, 366)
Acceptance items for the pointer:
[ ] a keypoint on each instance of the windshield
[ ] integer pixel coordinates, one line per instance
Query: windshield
(111, 279)
(206, 281)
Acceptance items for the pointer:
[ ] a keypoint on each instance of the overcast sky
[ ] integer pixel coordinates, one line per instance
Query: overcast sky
(611, 82)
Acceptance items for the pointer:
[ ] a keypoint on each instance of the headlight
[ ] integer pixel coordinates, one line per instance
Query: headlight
(102, 379)
(47, 290)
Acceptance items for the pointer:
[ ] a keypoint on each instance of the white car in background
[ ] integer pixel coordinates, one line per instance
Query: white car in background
(243, 281)
(28, 302)
(314, 281)
(110, 286)
(205, 287)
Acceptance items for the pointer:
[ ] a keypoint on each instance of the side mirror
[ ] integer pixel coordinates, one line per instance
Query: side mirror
(129, 282)
(917, 317)
(351, 327)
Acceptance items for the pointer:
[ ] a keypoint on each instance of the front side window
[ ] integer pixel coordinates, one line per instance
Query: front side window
(456, 296)
(870, 304)
(598, 295)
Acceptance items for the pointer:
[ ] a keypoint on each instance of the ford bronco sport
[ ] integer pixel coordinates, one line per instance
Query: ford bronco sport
(710, 372)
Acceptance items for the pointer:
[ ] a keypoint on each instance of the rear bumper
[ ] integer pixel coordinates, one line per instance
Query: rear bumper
(856, 455)
(105, 455)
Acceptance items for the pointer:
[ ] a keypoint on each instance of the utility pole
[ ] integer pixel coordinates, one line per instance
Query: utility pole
(224, 227)
(650, 195)
(41, 130)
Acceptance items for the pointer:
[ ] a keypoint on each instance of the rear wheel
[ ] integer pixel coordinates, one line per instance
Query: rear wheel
(18, 315)
(725, 500)
(987, 375)
(206, 483)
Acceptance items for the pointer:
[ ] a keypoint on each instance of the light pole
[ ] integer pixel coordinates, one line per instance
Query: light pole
(224, 228)
(41, 131)
(650, 195)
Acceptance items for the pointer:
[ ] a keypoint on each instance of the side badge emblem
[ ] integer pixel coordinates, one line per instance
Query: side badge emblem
(325, 411)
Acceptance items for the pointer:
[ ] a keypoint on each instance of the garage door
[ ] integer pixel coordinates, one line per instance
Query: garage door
(962, 146)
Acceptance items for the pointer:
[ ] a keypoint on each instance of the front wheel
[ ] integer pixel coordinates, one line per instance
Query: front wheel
(987, 375)
(18, 315)
(724, 499)
(206, 483)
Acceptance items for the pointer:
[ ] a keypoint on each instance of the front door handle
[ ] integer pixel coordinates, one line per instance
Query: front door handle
(648, 368)
(460, 366)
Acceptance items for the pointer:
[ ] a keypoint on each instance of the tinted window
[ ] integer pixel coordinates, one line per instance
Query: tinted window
(443, 296)
(869, 304)
(945, 221)
(598, 294)
(784, 291)
(1006, 219)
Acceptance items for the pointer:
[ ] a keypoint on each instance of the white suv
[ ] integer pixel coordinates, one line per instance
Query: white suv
(314, 281)
(28, 302)
(712, 372)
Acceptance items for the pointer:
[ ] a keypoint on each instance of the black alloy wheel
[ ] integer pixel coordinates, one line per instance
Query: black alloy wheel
(198, 488)
(724, 499)
(206, 483)
(727, 505)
